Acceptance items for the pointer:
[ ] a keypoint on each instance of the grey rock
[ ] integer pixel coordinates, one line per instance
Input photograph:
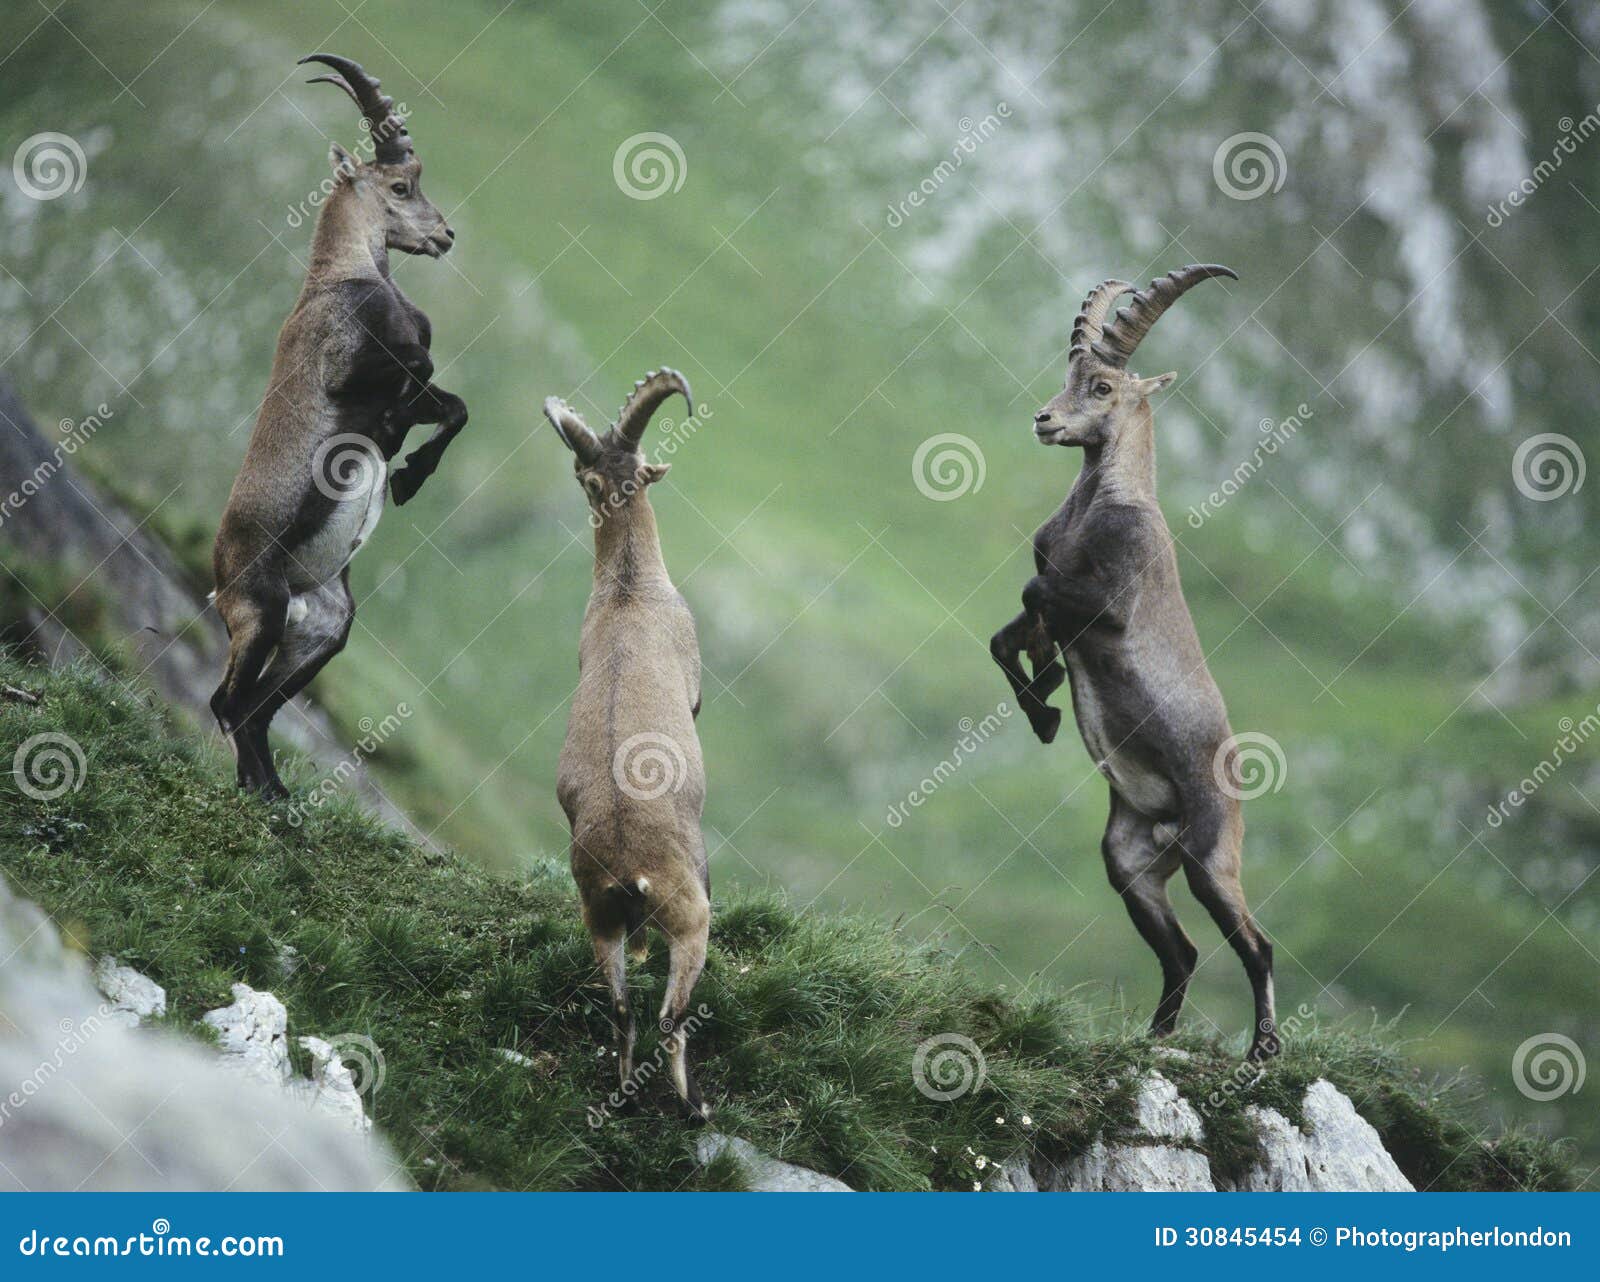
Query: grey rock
(1339, 1152)
(85, 1103)
(1163, 1114)
(1012, 1176)
(253, 1034)
(1132, 1168)
(331, 1089)
(763, 1174)
(130, 996)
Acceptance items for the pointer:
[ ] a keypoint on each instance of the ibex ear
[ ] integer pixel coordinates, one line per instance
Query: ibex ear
(650, 473)
(342, 163)
(1150, 386)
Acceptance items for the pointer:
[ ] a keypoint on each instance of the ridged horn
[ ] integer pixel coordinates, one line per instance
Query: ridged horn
(1091, 320)
(390, 142)
(572, 430)
(1123, 335)
(646, 398)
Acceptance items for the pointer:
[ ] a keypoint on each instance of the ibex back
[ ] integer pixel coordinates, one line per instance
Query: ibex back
(1107, 598)
(631, 779)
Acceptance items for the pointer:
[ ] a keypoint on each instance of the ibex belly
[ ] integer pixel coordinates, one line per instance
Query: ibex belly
(350, 523)
(1144, 788)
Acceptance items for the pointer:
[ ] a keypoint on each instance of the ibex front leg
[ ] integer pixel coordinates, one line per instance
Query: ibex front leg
(428, 404)
(1027, 632)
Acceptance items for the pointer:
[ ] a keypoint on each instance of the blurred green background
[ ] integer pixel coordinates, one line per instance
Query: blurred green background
(1380, 596)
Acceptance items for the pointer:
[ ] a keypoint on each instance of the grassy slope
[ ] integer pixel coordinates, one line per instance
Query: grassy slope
(807, 1051)
(848, 661)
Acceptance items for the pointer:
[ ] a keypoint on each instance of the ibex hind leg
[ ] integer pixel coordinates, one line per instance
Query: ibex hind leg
(611, 957)
(1140, 861)
(255, 623)
(686, 922)
(1211, 844)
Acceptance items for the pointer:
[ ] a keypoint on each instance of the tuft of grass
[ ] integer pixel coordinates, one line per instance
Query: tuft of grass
(813, 1024)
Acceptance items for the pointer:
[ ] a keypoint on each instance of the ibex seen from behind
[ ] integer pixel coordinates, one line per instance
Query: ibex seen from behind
(351, 376)
(1106, 599)
(631, 779)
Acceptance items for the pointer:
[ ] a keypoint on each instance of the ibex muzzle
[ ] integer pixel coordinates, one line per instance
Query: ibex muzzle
(1106, 611)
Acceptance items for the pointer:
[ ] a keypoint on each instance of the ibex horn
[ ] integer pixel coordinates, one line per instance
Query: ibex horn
(1119, 339)
(572, 430)
(1092, 316)
(646, 398)
(391, 144)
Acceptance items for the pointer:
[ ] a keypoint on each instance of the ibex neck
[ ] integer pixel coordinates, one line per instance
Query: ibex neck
(1126, 468)
(627, 548)
(347, 245)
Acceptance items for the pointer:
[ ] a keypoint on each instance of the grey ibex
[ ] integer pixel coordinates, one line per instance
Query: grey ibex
(631, 779)
(1106, 599)
(350, 378)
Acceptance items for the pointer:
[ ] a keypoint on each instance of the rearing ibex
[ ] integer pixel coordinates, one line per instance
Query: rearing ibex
(1107, 596)
(631, 779)
(350, 378)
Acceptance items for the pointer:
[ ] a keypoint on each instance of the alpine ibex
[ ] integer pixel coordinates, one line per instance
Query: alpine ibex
(631, 779)
(350, 378)
(1106, 600)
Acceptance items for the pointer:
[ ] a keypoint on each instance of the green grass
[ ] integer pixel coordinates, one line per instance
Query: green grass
(807, 1051)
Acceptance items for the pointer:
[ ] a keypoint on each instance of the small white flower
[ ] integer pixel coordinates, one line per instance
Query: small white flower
(999, 1121)
(981, 1162)
(976, 1187)
(1026, 1120)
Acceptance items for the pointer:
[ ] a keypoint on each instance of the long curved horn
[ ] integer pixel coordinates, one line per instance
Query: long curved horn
(646, 398)
(572, 430)
(1091, 320)
(391, 143)
(1133, 322)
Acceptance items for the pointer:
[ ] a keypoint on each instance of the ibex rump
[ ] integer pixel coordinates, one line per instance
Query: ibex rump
(1107, 598)
(349, 379)
(631, 779)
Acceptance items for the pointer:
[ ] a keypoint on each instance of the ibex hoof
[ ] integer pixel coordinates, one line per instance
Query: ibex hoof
(1046, 724)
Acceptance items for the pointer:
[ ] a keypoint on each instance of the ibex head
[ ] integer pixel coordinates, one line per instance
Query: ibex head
(611, 468)
(389, 186)
(1100, 390)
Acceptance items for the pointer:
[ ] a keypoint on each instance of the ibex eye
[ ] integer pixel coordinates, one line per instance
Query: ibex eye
(399, 189)
(1102, 389)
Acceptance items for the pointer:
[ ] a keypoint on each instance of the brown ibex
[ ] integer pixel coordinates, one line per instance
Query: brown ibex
(350, 378)
(631, 779)
(1106, 599)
